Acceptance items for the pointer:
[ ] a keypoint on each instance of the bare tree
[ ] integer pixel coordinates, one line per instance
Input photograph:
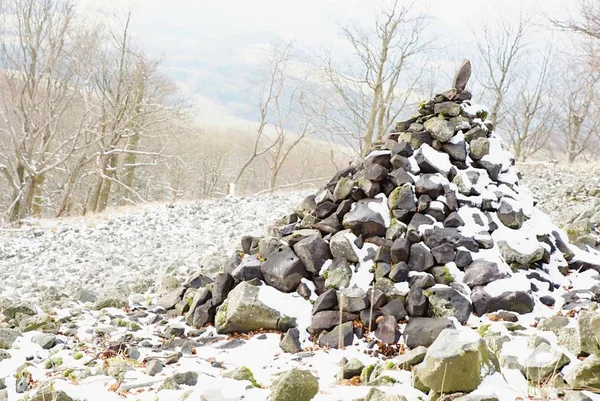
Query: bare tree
(134, 101)
(371, 90)
(531, 113)
(579, 129)
(42, 51)
(587, 22)
(287, 107)
(501, 48)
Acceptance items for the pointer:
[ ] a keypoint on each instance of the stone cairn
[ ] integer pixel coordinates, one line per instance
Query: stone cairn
(431, 227)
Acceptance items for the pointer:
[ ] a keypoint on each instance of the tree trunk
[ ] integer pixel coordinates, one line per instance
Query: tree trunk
(37, 195)
(107, 184)
(130, 160)
(17, 194)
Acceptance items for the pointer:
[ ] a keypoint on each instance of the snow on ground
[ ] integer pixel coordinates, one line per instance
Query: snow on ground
(133, 249)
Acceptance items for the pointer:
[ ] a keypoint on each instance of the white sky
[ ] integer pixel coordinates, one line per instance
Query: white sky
(209, 47)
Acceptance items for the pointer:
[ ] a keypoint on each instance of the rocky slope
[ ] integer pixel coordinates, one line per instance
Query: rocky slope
(425, 272)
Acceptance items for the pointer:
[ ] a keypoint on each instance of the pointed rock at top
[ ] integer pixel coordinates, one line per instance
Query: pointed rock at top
(462, 76)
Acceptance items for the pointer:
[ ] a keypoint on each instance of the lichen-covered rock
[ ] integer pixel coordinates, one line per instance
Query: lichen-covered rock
(242, 373)
(294, 385)
(447, 302)
(353, 367)
(458, 360)
(583, 374)
(290, 342)
(242, 311)
(338, 274)
(341, 247)
(49, 393)
(522, 256)
(440, 128)
(8, 337)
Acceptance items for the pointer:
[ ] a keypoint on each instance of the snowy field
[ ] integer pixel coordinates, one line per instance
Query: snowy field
(129, 249)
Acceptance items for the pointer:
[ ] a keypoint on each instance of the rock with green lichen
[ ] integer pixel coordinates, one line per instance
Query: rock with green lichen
(354, 367)
(169, 384)
(294, 385)
(23, 308)
(49, 393)
(410, 358)
(111, 302)
(447, 302)
(583, 374)
(242, 312)
(242, 373)
(458, 360)
(8, 337)
(375, 394)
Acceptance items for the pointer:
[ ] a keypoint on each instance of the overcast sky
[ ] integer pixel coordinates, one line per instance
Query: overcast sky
(211, 47)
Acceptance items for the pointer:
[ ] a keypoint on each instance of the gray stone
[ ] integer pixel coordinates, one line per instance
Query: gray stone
(341, 247)
(403, 198)
(168, 300)
(283, 270)
(447, 302)
(352, 299)
(478, 148)
(338, 274)
(223, 284)
(343, 189)
(410, 358)
(248, 269)
(364, 220)
(44, 340)
(291, 341)
(448, 109)
(313, 252)
(512, 301)
(420, 258)
(395, 308)
(430, 185)
(327, 319)
(510, 216)
(443, 254)
(153, 367)
(353, 367)
(242, 373)
(327, 300)
(294, 385)
(440, 129)
(519, 257)
(332, 339)
(474, 133)
(185, 378)
(387, 330)
(422, 331)
(457, 151)
(416, 303)
(585, 374)
(421, 280)
(462, 76)
(8, 337)
(457, 361)
(482, 272)
(242, 312)
(49, 393)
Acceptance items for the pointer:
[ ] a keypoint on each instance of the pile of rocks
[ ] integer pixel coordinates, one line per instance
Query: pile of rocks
(432, 224)
(427, 239)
